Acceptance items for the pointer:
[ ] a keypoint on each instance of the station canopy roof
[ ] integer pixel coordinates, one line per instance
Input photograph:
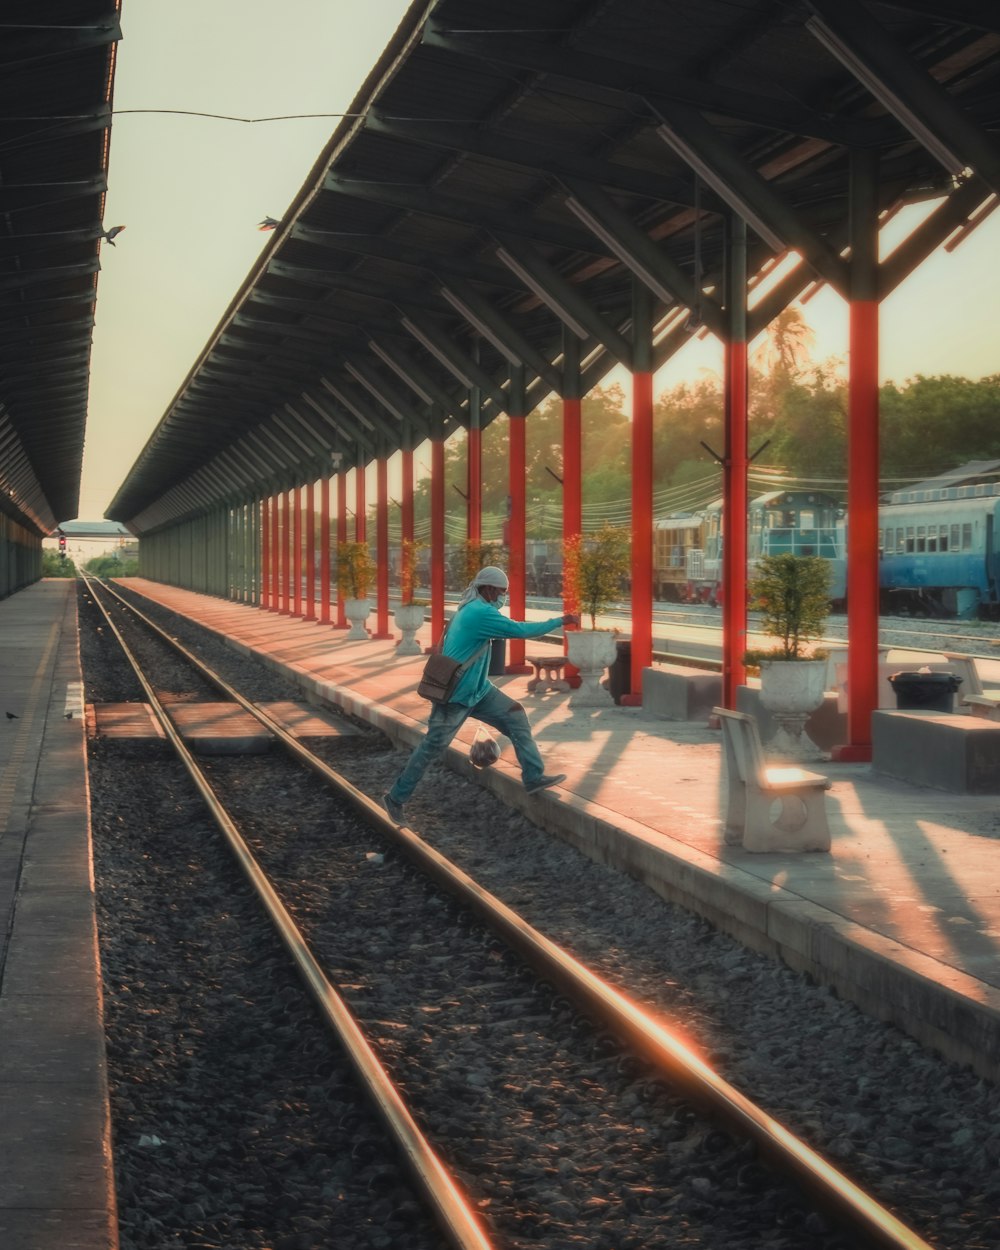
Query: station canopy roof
(57, 64)
(509, 172)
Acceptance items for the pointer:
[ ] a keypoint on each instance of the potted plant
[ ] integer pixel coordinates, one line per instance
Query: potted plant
(355, 573)
(409, 616)
(593, 571)
(793, 594)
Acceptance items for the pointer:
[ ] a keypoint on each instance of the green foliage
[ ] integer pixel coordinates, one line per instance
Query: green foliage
(594, 569)
(470, 557)
(55, 565)
(355, 570)
(409, 571)
(111, 566)
(793, 593)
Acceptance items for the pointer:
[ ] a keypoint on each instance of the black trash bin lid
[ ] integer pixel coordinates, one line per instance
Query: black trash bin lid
(945, 680)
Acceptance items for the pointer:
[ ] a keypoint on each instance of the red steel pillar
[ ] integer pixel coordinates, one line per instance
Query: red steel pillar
(572, 466)
(310, 613)
(474, 523)
(360, 507)
(265, 555)
(406, 497)
(734, 470)
(341, 622)
(297, 552)
(517, 420)
(437, 533)
(382, 548)
(324, 550)
(286, 552)
(642, 488)
(862, 463)
(275, 552)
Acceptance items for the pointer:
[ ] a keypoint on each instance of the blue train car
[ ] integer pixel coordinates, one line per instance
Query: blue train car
(800, 523)
(939, 557)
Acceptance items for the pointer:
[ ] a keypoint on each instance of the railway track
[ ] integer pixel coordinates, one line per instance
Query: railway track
(372, 976)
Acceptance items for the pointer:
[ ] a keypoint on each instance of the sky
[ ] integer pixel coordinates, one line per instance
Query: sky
(191, 192)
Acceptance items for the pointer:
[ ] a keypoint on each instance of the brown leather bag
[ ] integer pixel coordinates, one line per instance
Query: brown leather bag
(441, 675)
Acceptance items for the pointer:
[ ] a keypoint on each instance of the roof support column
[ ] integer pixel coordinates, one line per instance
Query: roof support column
(734, 467)
(437, 530)
(275, 552)
(324, 549)
(360, 507)
(286, 599)
(310, 614)
(341, 622)
(862, 462)
(382, 548)
(297, 556)
(474, 476)
(642, 488)
(406, 497)
(517, 528)
(265, 554)
(572, 466)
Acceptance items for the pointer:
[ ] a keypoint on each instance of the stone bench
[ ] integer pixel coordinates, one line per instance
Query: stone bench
(679, 693)
(947, 752)
(548, 673)
(769, 808)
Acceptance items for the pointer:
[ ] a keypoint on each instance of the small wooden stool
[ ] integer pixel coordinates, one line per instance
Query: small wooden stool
(548, 673)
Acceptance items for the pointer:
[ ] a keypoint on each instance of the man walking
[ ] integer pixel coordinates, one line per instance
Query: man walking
(476, 623)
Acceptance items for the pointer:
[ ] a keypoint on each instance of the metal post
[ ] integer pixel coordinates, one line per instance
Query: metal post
(297, 559)
(265, 555)
(341, 622)
(437, 532)
(310, 614)
(517, 525)
(642, 488)
(324, 550)
(382, 548)
(360, 514)
(474, 475)
(734, 474)
(286, 598)
(572, 466)
(862, 462)
(275, 552)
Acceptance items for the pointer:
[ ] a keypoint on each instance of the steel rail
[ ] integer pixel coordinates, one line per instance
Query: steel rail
(452, 1210)
(652, 1038)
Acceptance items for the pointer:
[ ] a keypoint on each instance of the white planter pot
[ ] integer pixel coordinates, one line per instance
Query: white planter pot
(356, 611)
(408, 617)
(591, 651)
(792, 690)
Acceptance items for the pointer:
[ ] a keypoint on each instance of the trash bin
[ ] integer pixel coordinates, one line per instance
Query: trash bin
(498, 657)
(925, 692)
(620, 671)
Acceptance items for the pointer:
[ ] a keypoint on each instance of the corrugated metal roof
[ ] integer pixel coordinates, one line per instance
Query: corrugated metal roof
(455, 202)
(57, 64)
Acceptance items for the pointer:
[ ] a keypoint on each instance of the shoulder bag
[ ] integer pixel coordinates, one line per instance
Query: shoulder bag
(441, 674)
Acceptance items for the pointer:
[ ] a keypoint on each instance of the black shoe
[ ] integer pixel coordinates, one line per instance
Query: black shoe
(545, 781)
(394, 809)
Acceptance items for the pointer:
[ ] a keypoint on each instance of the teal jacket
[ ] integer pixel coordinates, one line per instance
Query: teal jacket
(477, 623)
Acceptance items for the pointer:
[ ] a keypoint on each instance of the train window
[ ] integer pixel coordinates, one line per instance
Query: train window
(966, 535)
(943, 539)
(900, 539)
(883, 537)
(909, 538)
(956, 541)
(921, 538)
(807, 520)
(932, 538)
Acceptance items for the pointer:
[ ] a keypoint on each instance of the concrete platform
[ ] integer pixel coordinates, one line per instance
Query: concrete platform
(902, 916)
(56, 1182)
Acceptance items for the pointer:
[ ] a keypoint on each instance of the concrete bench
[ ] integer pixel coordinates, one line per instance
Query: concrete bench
(769, 808)
(938, 749)
(548, 673)
(980, 702)
(680, 693)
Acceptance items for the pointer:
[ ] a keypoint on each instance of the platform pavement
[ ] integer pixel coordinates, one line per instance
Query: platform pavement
(56, 1181)
(902, 916)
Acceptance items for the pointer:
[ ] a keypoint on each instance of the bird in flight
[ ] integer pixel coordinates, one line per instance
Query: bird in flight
(110, 234)
(269, 223)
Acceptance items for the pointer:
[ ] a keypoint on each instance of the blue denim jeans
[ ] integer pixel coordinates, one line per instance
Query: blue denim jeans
(498, 710)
